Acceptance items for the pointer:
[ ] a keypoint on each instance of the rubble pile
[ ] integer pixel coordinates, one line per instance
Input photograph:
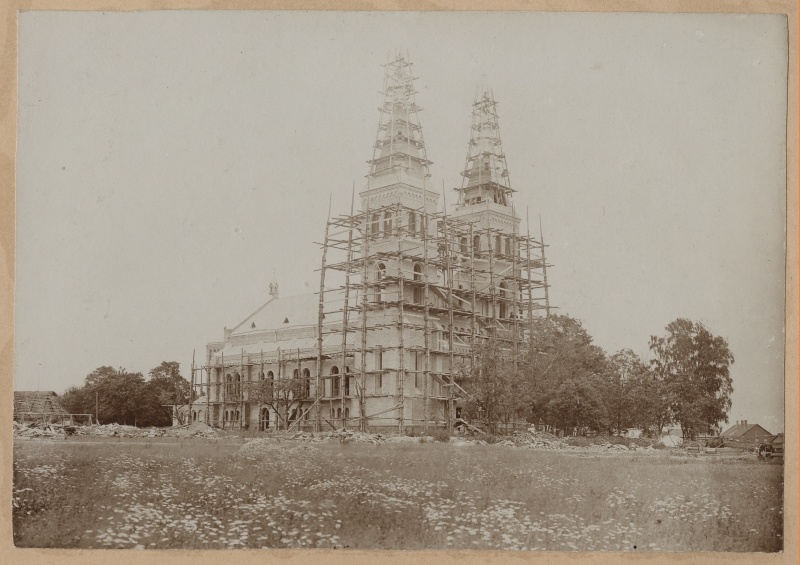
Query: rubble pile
(38, 430)
(31, 430)
(533, 439)
(344, 435)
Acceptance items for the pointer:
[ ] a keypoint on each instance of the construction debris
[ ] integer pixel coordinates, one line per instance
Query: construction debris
(38, 430)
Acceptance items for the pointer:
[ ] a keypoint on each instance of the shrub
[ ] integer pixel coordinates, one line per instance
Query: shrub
(441, 434)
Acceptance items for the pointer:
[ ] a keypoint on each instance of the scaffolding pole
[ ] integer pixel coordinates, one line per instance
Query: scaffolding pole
(401, 362)
(366, 234)
(320, 317)
(345, 311)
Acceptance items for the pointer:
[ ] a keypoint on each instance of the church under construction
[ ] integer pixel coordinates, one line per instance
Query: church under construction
(406, 289)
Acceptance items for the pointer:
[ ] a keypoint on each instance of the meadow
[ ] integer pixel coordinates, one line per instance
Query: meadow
(221, 494)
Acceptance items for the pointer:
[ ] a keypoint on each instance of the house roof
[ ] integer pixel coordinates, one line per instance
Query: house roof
(37, 401)
(739, 430)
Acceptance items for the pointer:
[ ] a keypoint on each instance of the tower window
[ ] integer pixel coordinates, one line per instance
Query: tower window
(476, 244)
(418, 290)
(380, 273)
(412, 224)
(387, 224)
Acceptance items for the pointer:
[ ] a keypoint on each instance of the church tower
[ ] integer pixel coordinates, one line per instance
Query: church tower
(397, 195)
(485, 203)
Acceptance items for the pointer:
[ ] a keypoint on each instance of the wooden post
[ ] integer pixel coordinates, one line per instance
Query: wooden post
(224, 391)
(191, 391)
(208, 397)
(320, 317)
(366, 234)
(544, 271)
(401, 374)
(345, 312)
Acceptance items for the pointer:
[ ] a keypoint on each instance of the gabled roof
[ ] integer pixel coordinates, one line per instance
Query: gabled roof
(42, 402)
(739, 430)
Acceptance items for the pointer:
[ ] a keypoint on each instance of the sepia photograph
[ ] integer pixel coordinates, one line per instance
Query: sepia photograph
(401, 281)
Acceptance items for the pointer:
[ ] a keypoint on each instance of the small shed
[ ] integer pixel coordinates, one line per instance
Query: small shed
(37, 405)
(745, 433)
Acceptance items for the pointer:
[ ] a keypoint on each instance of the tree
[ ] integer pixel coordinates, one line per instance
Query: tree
(624, 371)
(494, 386)
(165, 389)
(282, 395)
(126, 398)
(694, 367)
(578, 404)
(562, 374)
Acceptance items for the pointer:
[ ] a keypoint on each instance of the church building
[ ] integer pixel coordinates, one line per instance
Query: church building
(407, 289)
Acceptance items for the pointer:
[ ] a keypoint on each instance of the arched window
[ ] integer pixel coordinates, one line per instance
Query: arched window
(339, 412)
(194, 416)
(419, 291)
(498, 244)
(306, 384)
(463, 245)
(264, 423)
(348, 373)
(346, 412)
(509, 247)
(476, 244)
(237, 415)
(335, 381)
(380, 274)
(412, 224)
(504, 307)
(228, 384)
(261, 375)
(387, 224)
(238, 388)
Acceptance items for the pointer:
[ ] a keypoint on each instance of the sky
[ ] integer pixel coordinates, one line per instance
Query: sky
(171, 163)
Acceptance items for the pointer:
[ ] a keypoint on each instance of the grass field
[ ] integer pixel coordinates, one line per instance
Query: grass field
(221, 494)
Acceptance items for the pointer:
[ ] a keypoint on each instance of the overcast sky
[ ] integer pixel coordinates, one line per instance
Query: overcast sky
(168, 162)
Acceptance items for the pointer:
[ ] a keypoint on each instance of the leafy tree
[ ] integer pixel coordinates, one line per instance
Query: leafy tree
(562, 360)
(126, 398)
(494, 386)
(578, 404)
(694, 367)
(624, 371)
(166, 388)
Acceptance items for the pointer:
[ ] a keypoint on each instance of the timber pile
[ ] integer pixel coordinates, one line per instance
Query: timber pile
(534, 440)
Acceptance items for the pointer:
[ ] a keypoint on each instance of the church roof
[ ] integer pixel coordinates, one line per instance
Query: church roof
(284, 312)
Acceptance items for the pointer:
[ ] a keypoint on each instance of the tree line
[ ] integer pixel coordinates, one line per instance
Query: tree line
(565, 382)
(124, 397)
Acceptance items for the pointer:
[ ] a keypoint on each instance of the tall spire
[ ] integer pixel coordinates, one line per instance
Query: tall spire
(399, 144)
(485, 172)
